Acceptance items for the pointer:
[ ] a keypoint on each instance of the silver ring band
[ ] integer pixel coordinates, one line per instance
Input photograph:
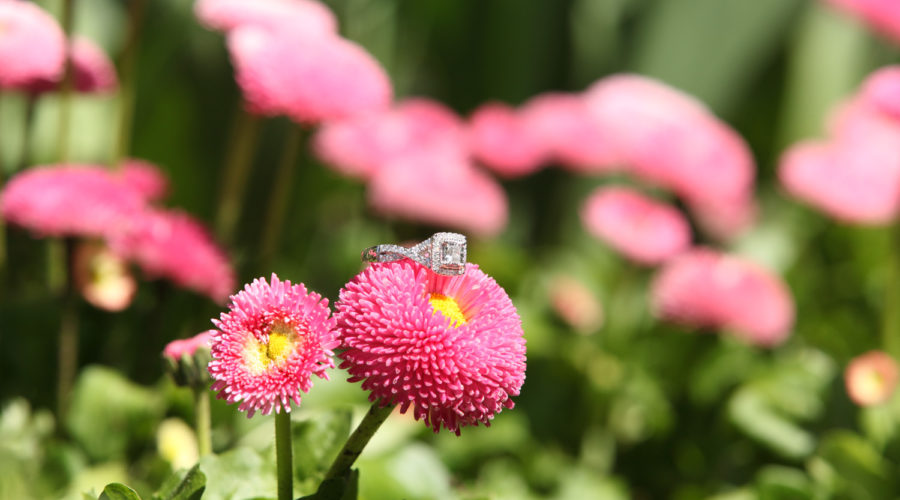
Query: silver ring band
(443, 253)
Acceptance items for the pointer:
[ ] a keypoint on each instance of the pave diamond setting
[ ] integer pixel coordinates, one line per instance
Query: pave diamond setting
(443, 253)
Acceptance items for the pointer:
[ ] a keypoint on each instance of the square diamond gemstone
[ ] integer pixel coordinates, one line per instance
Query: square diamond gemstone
(448, 251)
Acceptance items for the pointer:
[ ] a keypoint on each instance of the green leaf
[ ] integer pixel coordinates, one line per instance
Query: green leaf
(118, 491)
(749, 411)
(239, 473)
(318, 440)
(191, 487)
(338, 488)
(855, 468)
(783, 483)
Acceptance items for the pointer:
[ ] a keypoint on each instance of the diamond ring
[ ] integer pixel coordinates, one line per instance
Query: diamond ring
(443, 253)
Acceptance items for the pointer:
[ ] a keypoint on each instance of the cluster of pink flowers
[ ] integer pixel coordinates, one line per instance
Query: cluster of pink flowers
(854, 175)
(33, 53)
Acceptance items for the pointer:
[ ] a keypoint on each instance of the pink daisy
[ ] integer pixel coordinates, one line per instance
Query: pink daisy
(502, 140)
(307, 16)
(269, 344)
(882, 90)
(644, 230)
(144, 178)
(706, 289)
(871, 378)
(359, 146)
(93, 72)
(450, 347)
(572, 136)
(177, 349)
(443, 190)
(32, 45)
(306, 77)
(68, 200)
(175, 246)
(102, 277)
(882, 15)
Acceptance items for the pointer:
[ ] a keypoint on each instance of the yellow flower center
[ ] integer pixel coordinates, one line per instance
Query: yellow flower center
(449, 308)
(281, 343)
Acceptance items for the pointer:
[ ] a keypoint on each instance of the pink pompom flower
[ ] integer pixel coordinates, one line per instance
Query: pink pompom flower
(177, 349)
(307, 77)
(102, 277)
(308, 16)
(706, 289)
(501, 139)
(642, 229)
(32, 45)
(266, 348)
(443, 190)
(871, 378)
(450, 347)
(882, 15)
(144, 178)
(92, 71)
(363, 144)
(69, 200)
(175, 246)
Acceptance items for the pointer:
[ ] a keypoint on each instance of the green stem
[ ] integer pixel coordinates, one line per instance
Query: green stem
(238, 160)
(65, 105)
(68, 335)
(890, 328)
(376, 416)
(127, 63)
(201, 407)
(27, 133)
(283, 455)
(278, 203)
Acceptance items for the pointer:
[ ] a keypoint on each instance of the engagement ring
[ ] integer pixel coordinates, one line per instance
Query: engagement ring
(443, 253)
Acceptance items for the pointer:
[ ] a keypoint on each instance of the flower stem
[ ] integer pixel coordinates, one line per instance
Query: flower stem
(68, 335)
(201, 407)
(890, 328)
(127, 63)
(27, 132)
(283, 456)
(65, 105)
(237, 170)
(278, 203)
(376, 416)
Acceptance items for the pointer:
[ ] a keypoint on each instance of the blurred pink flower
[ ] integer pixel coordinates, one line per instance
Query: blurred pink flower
(69, 200)
(175, 246)
(144, 178)
(32, 45)
(882, 90)
(451, 347)
(882, 15)
(640, 228)
(93, 72)
(361, 145)
(443, 190)
(706, 289)
(871, 378)
(269, 344)
(501, 139)
(307, 16)
(306, 77)
(177, 349)
(672, 140)
(571, 135)
(102, 277)
(575, 304)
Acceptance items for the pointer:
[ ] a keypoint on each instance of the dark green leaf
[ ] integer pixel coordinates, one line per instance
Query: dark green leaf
(118, 491)
(338, 488)
(191, 487)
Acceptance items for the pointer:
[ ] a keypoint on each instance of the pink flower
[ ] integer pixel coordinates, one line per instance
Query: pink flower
(642, 229)
(102, 277)
(174, 246)
(269, 344)
(443, 190)
(68, 200)
(361, 145)
(307, 77)
(144, 178)
(882, 15)
(570, 133)
(881, 90)
(576, 304)
(871, 378)
(450, 347)
(93, 72)
(703, 288)
(32, 45)
(307, 16)
(177, 349)
(501, 139)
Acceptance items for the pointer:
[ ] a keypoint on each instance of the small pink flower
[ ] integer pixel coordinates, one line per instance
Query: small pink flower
(871, 378)
(501, 139)
(703, 288)
(308, 16)
(361, 145)
(269, 344)
(93, 72)
(68, 200)
(882, 90)
(443, 190)
(102, 277)
(175, 246)
(882, 15)
(177, 349)
(307, 77)
(144, 178)
(576, 304)
(644, 230)
(570, 133)
(450, 347)
(32, 45)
